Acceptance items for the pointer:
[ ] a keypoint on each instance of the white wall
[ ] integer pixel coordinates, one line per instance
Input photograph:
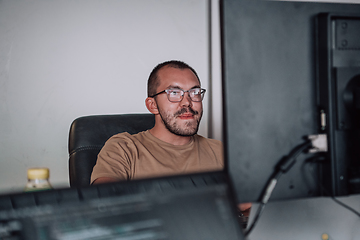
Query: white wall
(63, 59)
(216, 114)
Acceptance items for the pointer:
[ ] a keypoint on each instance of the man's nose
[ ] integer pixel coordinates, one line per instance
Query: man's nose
(186, 101)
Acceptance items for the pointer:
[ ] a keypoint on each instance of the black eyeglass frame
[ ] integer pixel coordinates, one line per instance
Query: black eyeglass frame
(202, 93)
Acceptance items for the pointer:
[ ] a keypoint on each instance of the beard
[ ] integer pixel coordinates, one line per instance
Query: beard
(189, 128)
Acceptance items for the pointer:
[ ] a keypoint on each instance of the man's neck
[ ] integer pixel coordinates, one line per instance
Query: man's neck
(166, 136)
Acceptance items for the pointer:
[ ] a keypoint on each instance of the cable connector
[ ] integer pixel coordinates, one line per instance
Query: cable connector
(318, 143)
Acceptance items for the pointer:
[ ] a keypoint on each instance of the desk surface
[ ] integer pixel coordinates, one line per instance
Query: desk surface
(308, 219)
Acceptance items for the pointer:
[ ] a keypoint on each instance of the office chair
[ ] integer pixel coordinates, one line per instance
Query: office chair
(88, 135)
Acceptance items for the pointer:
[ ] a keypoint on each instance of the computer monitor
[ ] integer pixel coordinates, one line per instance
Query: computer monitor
(195, 206)
(272, 96)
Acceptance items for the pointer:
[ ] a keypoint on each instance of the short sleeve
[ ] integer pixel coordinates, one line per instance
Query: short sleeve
(113, 160)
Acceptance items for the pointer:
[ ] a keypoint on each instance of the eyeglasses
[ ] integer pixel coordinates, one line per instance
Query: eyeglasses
(177, 94)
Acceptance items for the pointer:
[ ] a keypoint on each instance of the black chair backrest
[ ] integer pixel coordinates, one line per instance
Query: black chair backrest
(88, 135)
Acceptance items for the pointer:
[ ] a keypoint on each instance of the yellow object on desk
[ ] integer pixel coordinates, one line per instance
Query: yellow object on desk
(38, 179)
(325, 237)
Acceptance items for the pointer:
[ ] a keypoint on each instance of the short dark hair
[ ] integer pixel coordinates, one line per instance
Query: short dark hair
(153, 81)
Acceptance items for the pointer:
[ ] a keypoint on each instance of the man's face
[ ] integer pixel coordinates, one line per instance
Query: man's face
(181, 118)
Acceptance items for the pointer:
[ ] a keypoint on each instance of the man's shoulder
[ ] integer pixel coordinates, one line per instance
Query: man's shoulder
(126, 137)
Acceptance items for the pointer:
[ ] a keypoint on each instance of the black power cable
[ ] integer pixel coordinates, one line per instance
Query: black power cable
(319, 144)
(320, 159)
(282, 167)
(345, 206)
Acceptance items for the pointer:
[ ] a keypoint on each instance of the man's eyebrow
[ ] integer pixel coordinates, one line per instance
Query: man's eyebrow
(174, 86)
(197, 86)
(177, 87)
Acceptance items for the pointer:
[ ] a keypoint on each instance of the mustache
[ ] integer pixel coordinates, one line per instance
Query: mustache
(185, 110)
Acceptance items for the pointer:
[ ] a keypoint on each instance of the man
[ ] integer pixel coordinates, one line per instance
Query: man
(172, 146)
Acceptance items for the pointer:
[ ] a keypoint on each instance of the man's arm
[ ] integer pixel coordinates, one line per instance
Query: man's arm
(104, 180)
(112, 163)
(244, 206)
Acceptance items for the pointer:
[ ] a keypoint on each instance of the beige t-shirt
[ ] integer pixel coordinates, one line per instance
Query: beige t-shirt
(126, 157)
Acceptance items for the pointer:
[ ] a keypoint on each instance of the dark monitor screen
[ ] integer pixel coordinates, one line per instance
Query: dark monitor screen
(270, 94)
(196, 206)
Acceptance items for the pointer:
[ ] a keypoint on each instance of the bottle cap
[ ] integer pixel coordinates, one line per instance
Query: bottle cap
(38, 173)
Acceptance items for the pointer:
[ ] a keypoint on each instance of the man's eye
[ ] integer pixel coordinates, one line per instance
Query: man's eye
(175, 93)
(196, 91)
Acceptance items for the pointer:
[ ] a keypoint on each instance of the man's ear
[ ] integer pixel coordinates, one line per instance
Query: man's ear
(151, 105)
